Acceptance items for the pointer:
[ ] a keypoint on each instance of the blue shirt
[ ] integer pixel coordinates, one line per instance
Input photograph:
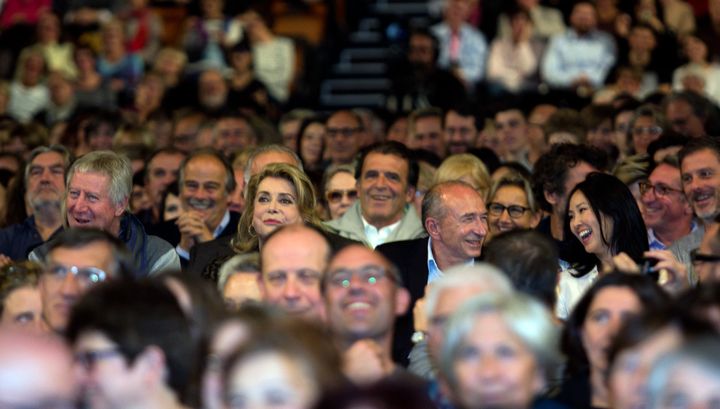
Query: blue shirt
(18, 240)
(570, 56)
(472, 54)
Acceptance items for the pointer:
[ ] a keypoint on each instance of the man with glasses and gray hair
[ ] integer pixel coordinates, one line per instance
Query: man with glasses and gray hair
(76, 260)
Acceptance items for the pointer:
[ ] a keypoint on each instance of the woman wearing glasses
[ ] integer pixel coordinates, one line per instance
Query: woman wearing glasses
(511, 205)
(340, 190)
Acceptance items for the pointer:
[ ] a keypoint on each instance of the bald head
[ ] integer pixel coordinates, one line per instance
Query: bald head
(35, 371)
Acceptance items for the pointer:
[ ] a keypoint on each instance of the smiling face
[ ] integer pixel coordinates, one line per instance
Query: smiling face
(343, 184)
(611, 306)
(275, 206)
(660, 210)
(508, 196)
(495, 367)
(203, 189)
(701, 183)
(88, 203)
(586, 226)
(384, 189)
(458, 233)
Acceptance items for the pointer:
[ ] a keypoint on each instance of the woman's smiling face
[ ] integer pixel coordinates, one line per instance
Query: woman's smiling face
(586, 226)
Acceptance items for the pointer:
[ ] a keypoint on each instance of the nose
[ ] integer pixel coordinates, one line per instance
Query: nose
(505, 216)
(70, 285)
(291, 291)
(489, 368)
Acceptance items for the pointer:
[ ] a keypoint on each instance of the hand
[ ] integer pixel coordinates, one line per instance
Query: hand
(624, 263)
(419, 317)
(192, 230)
(673, 274)
(364, 363)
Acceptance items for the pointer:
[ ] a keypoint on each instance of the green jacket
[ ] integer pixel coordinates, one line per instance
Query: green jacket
(350, 226)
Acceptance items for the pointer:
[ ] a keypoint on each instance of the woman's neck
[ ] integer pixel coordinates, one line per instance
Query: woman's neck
(599, 392)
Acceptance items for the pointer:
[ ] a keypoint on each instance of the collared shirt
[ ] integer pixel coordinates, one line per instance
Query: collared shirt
(434, 271)
(656, 244)
(570, 55)
(379, 236)
(472, 50)
(220, 227)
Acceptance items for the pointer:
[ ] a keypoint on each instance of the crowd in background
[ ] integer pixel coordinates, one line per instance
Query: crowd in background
(530, 220)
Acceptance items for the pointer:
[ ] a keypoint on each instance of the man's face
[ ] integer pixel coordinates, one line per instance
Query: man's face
(291, 274)
(583, 18)
(575, 175)
(361, 296)
(449, 300)
(428, 134)
(46, 181)
(384, 189)
(460, 133)
(421, 52)
(289, 132)
(343, 135)
(88, 202)
(668, 206)
(60, 292)
(462, 229)
(232, 135)
(683, 120)
(512, 129)
(185, 133)
(203, 190)
(110, 382)
(161, 172)
(701, 183)
(212, 90)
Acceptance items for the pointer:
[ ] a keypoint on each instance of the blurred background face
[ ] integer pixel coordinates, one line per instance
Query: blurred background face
(22, 308)
(494, 368)
(270, 380)
(340, 194)
(312, 143)
(690, 385)
(173, 207)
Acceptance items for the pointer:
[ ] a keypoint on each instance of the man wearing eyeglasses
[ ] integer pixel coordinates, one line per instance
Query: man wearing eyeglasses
(668, 215)
(456, 221)
(133, 346)
(343, 133)
(78, 259)
(363, 294)
(689, 113)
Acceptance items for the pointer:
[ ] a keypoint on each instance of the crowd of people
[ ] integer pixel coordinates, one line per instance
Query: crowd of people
(532, 222)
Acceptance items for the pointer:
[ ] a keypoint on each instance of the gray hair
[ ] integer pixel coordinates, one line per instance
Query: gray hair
(269, 148)
(107, 163)
(524, 316)
(482, 275)
(59, 149)
(246, 262)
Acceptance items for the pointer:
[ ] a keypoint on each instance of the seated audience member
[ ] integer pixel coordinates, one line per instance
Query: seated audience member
(238, 280)
(529, 260)
(646, 126)
(45, 186)
(600, 132)
(98, 191)
(340, 190)
(666, 211)
(462, 48)
(690, 374)
(387, 178)
(546, 20)
(76, 260)
(461, 126)
(425, 130)
(133, 345)
(232, 133)
(290, 274)
(511, 205)
(163, 167)
(585, 339)
(442, 299)
(700, 74)
(286, 364)
(476, 362)
(36, 372)
(206, 181)
(28, 92)
(20, 302)
(511, 126)
(582, 56)
(363, 294)
(467, 168)
(344, 131)
(455, 220)
(311, 145)
(513, 59)
(691, 114)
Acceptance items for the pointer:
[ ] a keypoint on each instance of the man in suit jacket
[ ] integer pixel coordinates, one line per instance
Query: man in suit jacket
(455, 218)
(206, 182)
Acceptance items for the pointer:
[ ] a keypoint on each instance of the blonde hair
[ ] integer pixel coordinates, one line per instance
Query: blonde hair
(246, 238)
(465, 165)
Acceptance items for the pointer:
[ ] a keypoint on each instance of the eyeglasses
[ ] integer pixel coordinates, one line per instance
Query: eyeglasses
(369, 274)
(649, 130)
(344, 132)
(88, 359)
(515, 211)
(660, 190)
(335, 196)
(699, 258)
(86, 276)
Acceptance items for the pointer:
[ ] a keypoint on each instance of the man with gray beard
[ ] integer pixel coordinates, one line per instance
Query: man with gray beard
(205, 183)
(45, 186)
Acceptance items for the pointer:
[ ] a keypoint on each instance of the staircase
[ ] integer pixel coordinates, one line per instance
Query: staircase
(358, 79)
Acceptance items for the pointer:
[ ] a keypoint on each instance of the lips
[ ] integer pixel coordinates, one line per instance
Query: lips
(272, 222)
(584, 235)
(702, 199)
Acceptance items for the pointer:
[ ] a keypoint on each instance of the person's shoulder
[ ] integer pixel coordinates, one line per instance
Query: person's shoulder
(402, 245)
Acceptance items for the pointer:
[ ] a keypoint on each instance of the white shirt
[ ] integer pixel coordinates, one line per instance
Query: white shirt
(377, 236)
(220, 227)
(570, 289)
(434, 272)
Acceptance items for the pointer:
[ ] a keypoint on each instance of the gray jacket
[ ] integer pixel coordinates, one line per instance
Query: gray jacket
(350, 226)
